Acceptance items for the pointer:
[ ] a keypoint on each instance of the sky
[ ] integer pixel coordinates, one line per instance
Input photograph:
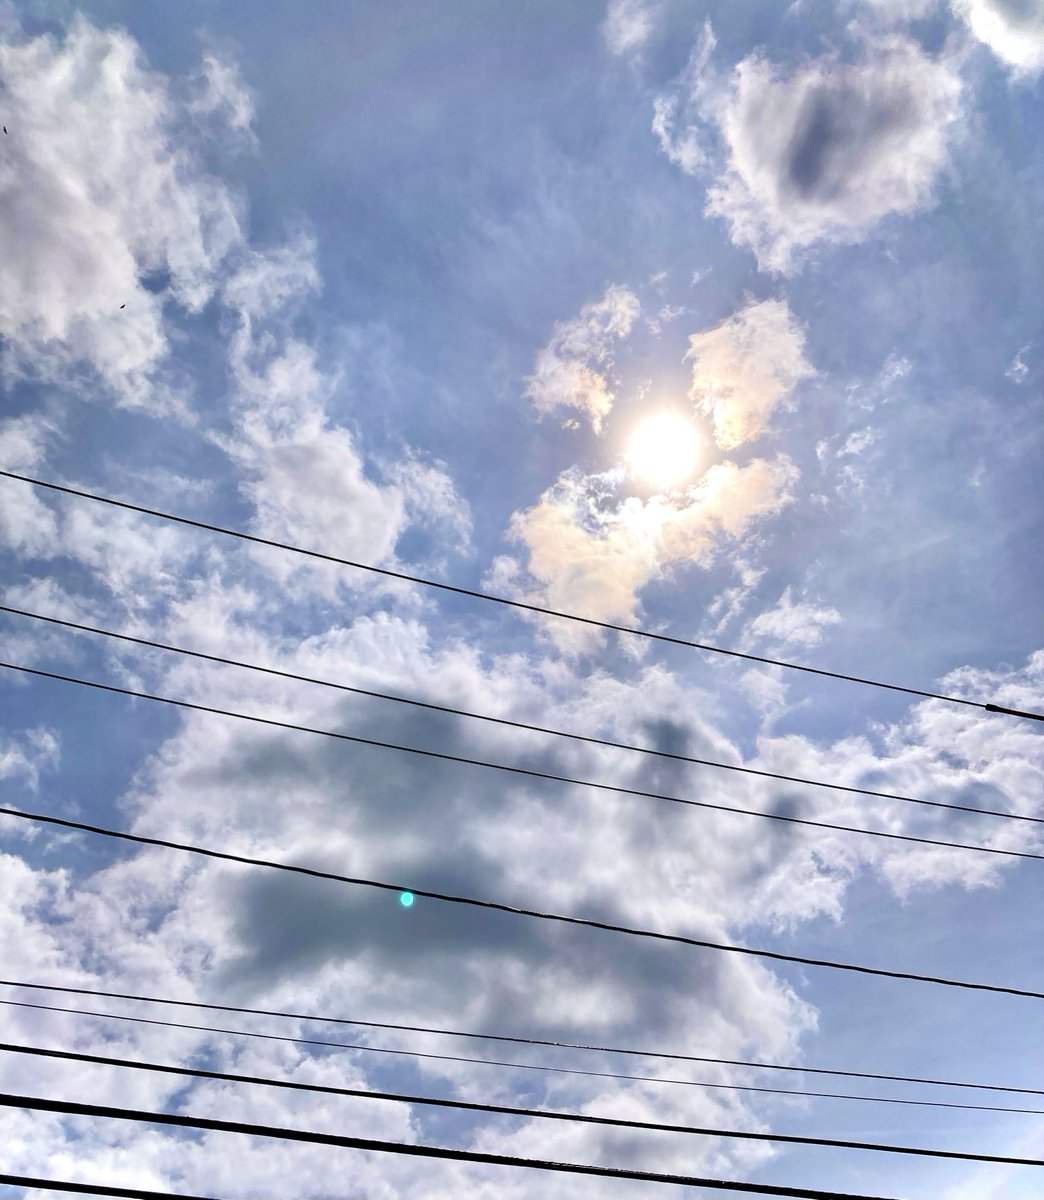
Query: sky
(719, 319)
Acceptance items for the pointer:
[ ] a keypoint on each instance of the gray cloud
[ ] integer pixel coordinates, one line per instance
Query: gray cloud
(820, 154)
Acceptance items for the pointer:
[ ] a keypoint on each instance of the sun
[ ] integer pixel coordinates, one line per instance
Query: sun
(663, 450)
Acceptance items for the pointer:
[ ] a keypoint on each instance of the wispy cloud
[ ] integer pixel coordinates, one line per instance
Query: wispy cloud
(744, 368)
(571, 371)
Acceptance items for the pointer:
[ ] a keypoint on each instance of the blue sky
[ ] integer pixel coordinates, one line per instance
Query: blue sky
(406, 282)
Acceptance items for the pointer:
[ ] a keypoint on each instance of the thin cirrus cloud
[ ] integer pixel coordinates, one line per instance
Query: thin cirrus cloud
(819, 154)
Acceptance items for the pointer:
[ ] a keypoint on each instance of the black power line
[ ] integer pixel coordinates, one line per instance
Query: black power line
(516, 1066)
(512, 1110)
(528, 772)
(502, 1037)
(518, 911)
(178, 1120)
(519, 1066)
(517, 604)
(35, 1183)
(504, 721)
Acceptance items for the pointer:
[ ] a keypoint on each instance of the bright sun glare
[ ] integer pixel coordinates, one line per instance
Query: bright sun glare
(663, 450)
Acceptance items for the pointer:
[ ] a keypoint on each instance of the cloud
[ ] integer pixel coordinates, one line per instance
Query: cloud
(629, 24)
(826, 153)
(432, 502)
(221, 94)
(570, 371)
(745, 367)
(680, 116)
(820, 154)
(590, 549)
(25, 759)
(303, 474)
(1013, 30)
(98, 198)
(1018, 370)
(902, 10)
(790, 624)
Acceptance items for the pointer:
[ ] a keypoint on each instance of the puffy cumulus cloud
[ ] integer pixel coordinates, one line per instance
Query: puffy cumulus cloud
(160, 923)
(590, 551)
(821, 154)
(165, 924)
(570, 371)
(745, 367)
(304, 473)
(1013, 30)
(98, 195)
(629, 24)
(793, 624)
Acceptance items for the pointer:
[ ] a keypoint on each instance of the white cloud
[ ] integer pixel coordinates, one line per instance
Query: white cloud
(591, 551)
(744, 368)
(570, 371)
(793, 624)
(818, 155)
(221, 93)
(1013, 30)
(97, 196)
(680, 116)
(304, 473)
(902, 10)
(24, 759)
(1018, 370)
(629, 24)
(431, 500)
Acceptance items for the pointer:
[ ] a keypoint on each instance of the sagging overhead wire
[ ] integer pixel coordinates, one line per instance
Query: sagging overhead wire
(514, 1039)
(529, 772)
(363, 1047)
(525, 606)
(517, 910)
(588, 739)
(537, 1114)
(183, 1121)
